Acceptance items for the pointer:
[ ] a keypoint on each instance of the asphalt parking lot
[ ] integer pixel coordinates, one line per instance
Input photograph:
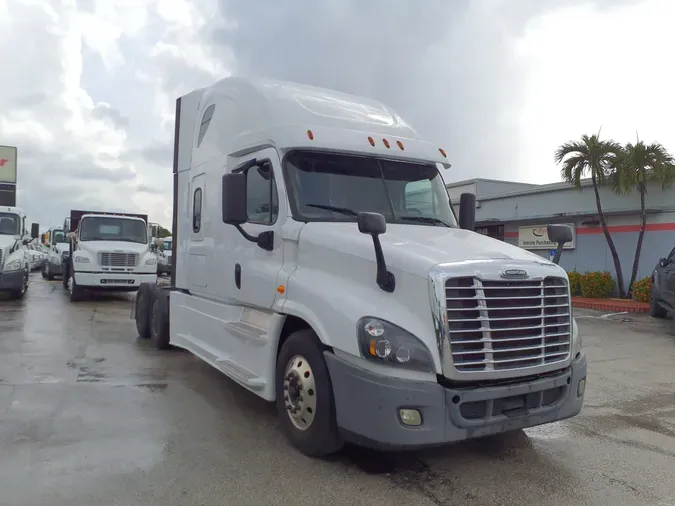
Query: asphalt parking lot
(90, 415)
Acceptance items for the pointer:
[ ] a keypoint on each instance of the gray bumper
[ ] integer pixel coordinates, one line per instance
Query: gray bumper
(11, 281)
(367, 406)
(56, 268)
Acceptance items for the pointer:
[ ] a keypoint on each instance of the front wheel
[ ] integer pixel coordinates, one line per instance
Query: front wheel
(655, 309)
(304, 396)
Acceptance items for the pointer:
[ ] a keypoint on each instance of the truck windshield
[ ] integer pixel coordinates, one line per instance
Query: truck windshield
(110, 228)
(58, 236)
(335, 187)
(10, 224)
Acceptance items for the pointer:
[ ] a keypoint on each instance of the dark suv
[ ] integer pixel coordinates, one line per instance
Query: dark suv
(662, 300)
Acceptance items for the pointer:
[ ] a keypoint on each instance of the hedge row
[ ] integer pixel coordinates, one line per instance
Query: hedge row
(600, 285)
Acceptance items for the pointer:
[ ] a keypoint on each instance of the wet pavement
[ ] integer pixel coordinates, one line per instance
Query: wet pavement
(90, 415)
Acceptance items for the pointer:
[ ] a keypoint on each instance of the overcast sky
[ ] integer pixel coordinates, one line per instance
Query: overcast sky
(88, 86)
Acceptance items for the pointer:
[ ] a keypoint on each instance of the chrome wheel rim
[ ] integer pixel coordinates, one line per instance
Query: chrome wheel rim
(300, 392)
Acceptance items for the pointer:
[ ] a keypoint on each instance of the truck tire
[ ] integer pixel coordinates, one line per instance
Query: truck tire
(304, 396)
(49, 273)
(66, 275)
(159, 319)
(144, 298)
(655, 309)
(18, 294)
(75, 292)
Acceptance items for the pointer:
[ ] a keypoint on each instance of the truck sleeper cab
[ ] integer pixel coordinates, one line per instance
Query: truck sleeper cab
(14, 254)
(107, 252)
(317, 261)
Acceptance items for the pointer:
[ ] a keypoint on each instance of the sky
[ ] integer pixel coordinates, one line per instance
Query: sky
(89, 86)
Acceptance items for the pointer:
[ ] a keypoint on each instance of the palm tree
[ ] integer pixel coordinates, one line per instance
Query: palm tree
(591, 156)
(637, 165)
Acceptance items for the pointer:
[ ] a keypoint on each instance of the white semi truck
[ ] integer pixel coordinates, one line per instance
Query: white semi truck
(317, 262)
(14, 261)
(107, 252)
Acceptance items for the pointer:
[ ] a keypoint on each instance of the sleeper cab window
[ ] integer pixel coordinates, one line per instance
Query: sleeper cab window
(262, 201)
(197, 210)
(206, 121)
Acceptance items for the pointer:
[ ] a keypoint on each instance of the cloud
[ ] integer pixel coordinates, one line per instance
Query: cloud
(89, 99)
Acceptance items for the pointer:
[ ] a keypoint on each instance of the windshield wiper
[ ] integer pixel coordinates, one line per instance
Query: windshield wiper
(424, 219)
(341, 210)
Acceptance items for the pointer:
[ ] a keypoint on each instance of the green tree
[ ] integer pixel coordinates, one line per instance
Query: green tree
(163, 232)
(637, 165)
(597, 158)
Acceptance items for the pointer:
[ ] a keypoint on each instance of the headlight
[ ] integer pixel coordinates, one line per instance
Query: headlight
(576, 339)
(14, 265)
(386, 343)
(81, 260)
(151, 261)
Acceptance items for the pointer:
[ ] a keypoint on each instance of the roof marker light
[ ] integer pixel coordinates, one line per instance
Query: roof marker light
(400, 145)
(386, 142)
(372, 141)
(442, 152)
(310, 135)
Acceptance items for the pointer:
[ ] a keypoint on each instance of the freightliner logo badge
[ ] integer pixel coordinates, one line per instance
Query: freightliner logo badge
(514, 273)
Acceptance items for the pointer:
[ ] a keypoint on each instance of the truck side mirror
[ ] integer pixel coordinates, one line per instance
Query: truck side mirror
(374, 225)
(234, 199)
(34, 230)
(559, 234)
(467, 211)
(663, 262)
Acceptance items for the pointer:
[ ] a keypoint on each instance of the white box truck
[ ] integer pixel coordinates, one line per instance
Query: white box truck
(319, 264)
(107, 252)
(14, 260)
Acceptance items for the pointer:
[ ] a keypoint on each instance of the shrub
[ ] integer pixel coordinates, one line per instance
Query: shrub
(642, 289)
(597, 285)
(575, 282)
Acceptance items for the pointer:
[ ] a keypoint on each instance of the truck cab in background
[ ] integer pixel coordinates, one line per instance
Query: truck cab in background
(14, 260)
(107, 252)
(59, 246)
(163, 249)
(317, 262)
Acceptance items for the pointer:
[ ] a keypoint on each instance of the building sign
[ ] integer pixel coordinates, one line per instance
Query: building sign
(536, 237)
(7, 194)
(8, 164)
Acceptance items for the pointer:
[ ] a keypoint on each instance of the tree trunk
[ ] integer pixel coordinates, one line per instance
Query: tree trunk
(638, 248)
(610, 242)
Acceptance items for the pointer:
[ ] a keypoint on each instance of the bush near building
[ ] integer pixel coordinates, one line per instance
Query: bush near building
(575, 282)
(642, 289)
(597, 285)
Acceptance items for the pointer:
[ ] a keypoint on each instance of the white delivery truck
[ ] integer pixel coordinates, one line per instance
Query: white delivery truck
(319, 264)
(107, 252)
(59, 249)
(14, 259)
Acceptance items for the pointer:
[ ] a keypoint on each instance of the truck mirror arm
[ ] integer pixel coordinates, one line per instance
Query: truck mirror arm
(558, 253)
(264, 240)
(374, 225)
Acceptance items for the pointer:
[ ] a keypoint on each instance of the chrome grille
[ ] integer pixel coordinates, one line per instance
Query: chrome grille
(118, 259)
(506, 325)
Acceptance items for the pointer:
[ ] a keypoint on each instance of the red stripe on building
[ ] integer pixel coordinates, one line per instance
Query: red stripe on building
(613, 229)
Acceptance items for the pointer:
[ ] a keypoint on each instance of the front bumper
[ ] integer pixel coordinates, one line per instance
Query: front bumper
(123, 281)
(367, 406)
(11, 281)
(55, 268)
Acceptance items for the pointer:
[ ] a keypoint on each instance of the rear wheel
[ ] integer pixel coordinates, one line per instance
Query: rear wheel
(159, 319)
(304, 396)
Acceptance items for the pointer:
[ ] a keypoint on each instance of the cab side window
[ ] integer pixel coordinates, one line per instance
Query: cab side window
(262, 200)
(671, 257)
(197, 210)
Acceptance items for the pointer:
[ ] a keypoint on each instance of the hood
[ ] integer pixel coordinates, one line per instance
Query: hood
(6, 241)
(114, 246)
(61, 247)
(415, 249)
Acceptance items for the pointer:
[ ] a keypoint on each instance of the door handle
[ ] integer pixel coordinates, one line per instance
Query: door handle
(237, 275)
